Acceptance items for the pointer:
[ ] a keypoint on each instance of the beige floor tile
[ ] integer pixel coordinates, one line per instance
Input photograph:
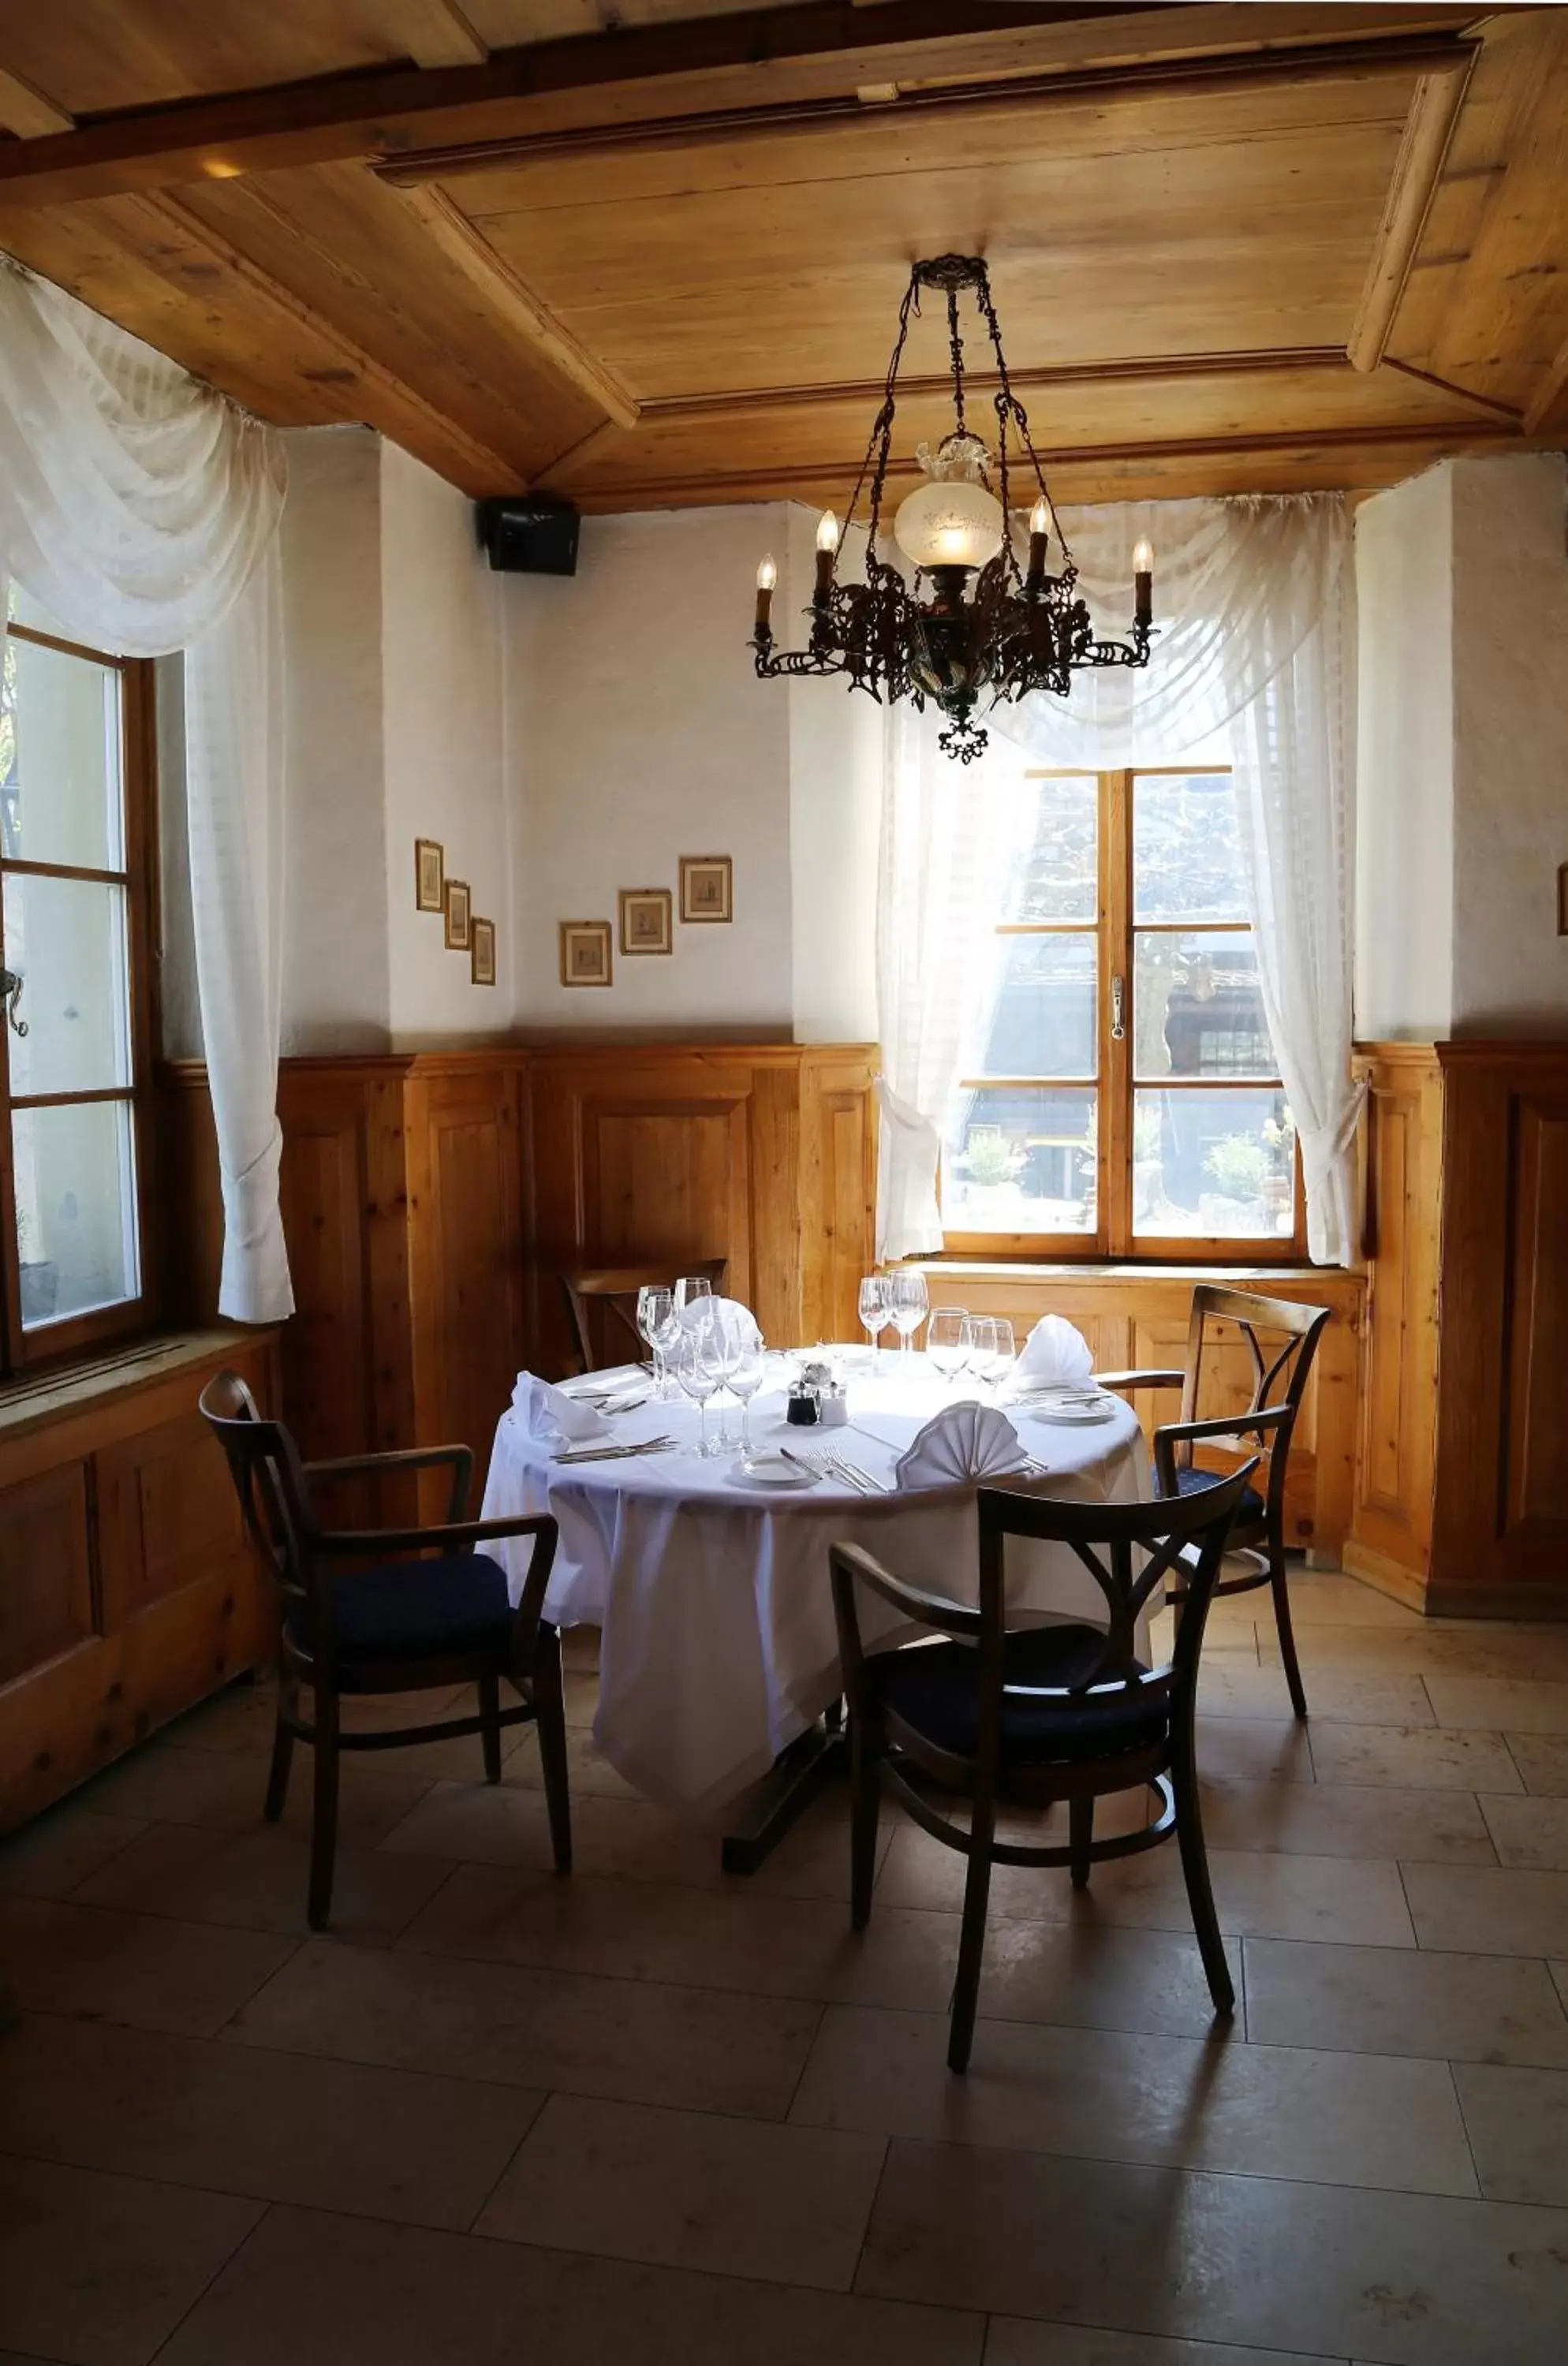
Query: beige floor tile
(50, 1856)
(142, 1969)
(1420, 2279)
(1093, 1976)
(1346, 1819)
(1013, 2341)
(1530, 1831)
(1412, 1758)
(1503, 1913)
(223, 1790)
(384, 2143)
(509, 1825)
(1178, 2101)
(1542, 1762)
(1519, 2130)
(1327, 1598)
(1404, 2001)
(325, 2292)
(1252, 1749)
(1349, 1693)
(638, 2042)
(691, 2190)
(591, 1773)
(1458, 1647)
(1499, 1703)
(99, 2270)
(258, 1881)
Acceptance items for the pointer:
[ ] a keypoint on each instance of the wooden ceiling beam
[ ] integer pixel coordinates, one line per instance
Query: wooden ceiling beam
(1549, 403)
(515, 304)
(775, 58)
(1434, 111)
(434, 32)
(28, 113)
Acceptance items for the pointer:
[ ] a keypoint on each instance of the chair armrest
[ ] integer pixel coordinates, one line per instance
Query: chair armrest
(1150, 1379)
(927, 1609)
(453, 1535)
(1222, 1430)
(404, 1457)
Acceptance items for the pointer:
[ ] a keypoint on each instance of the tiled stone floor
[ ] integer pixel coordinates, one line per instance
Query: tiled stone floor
(654, 2114)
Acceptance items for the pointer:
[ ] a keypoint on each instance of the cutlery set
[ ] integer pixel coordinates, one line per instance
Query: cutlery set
(830, 1464)
(613, 1453)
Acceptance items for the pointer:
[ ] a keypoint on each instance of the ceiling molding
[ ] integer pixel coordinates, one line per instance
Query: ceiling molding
(1434, 111)
(1548, 401)
(515, 304)
(28, 113)
(1518, 420)
(551, 478)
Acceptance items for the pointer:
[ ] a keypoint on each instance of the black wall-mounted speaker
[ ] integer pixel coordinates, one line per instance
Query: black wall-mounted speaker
(524, 533)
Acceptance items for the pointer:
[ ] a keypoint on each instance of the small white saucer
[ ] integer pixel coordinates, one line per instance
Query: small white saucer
(771, 1469)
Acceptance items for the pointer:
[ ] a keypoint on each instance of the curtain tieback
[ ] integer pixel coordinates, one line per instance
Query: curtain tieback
(1325, 1146)
(904, 1114)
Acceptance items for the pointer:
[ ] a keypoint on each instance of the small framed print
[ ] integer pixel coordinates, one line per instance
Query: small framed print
(646, 920)
(482, 950)
(585, 952)
(459, 913)
(429, 875)
(708, 887)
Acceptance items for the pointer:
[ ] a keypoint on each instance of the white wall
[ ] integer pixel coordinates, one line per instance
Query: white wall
(835, 813)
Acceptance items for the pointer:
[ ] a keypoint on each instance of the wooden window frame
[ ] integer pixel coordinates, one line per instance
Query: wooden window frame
(78, 1336)
(1113, 1240)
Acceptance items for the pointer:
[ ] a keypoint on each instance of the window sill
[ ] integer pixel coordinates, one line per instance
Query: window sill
(33, 1400)
(1110, 1269)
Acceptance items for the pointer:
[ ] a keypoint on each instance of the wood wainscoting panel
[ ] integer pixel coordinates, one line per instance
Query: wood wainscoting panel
(838, 1189)
(1538, 1320)
(167, 1514)
(46, 1602)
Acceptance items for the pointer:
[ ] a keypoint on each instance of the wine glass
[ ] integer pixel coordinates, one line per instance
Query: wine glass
(994, 1351)
(950, 1341)
(910, 1302)
(691, 1287)
(746, 1378)
(874, 1292)
(721, 1340)
(694, 1367)
(655, 1310)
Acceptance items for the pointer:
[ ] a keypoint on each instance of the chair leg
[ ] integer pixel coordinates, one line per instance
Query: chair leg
(551, 1701)
(971, 1936)
(489, 1732)
(1288, 1660)
(282, 1750)
(865, 1790)
(1080, 1835)
(1195, 1869)
(324, 1821)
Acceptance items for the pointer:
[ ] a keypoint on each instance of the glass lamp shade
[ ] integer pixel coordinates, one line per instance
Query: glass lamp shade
(949, 523)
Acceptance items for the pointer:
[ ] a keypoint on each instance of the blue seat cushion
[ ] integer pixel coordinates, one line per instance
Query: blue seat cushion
(1250, 1508)
(449, 1608)
(934, 1688)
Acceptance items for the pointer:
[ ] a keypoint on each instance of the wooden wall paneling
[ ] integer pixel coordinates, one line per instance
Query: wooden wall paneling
(168, 1514)
(773, 1223)
(46, 1602)
(838, 1189)
(1536, 1500)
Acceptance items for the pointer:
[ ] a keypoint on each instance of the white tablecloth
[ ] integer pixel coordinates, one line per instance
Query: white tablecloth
(718, 1645)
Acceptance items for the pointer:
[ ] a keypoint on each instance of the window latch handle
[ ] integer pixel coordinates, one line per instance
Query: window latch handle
(1118, 1009)
(11, 986)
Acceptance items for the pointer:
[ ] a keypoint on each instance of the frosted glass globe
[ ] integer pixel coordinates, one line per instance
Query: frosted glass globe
(949, 523)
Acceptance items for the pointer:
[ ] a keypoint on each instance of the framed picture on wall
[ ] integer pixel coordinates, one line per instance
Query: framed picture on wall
(459, 912)
(708, 887)
(429, 875)
(481, 966)
(585, 952)
(646, 920)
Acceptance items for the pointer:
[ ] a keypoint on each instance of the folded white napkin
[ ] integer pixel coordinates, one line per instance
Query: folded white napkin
(1054, 1355)
(547, 1414)
(962, 1441)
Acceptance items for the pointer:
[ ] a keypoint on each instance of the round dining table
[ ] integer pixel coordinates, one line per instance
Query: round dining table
(718, 1649)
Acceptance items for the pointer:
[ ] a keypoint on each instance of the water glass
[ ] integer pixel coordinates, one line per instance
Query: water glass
(690, 1288)
(950, 1341)
(655, 1321)
(691, 1357)
(910, 1302)
(746, 1378)
(993, 1346)
(876, 1297)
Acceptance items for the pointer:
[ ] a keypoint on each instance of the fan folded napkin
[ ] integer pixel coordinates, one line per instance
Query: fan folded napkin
(1054, 1355)
(547, 1414)
(727, 1314)
(963, 1441)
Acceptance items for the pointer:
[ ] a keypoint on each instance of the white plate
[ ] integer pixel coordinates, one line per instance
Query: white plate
(1066, 1413)
(771, 1470)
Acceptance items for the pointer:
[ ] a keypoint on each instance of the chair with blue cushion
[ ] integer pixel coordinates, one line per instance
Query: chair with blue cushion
(1029, 1717)
(1277, 1376)
(421, 1609)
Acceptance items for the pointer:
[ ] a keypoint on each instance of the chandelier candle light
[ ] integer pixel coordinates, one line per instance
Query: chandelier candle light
(1018, 630)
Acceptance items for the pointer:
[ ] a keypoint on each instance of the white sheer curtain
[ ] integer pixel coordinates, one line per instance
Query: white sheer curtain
(140, 508)
(1253, 660)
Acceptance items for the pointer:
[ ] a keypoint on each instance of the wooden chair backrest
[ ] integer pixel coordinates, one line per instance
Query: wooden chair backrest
(1280, 1371)
(614, 1288)
(270, 1482)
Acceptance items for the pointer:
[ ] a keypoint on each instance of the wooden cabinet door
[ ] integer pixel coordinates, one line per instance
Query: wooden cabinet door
(46, 1587)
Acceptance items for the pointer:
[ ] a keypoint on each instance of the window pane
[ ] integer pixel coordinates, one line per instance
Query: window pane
(1019, 1158)
(60, 771)
(76, 1209)
(1060, 878)
(1044, 1024)
(1213, 1164)
(1186, 848)
(66, 940)
(1196, 1009)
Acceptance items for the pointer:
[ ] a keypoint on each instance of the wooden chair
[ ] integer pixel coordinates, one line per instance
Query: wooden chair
(614, 1288)
(1027, 1716)
(403, 1624)
(1278, 1387)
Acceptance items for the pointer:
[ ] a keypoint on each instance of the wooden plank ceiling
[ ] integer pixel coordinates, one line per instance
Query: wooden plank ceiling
(652, 254)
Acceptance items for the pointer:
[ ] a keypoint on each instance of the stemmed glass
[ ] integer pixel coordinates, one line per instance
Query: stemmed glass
(692, 1360)
(910, 1302)
(950, 1341)
(720, 1341)
(690, 1288)
(746, 1378)
(655, 1319)
(993, 1353)
(876, 1297)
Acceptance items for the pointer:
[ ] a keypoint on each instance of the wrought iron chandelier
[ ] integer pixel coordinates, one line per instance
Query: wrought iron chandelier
(1020, 629)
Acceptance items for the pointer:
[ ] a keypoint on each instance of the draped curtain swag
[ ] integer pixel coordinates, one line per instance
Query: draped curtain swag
(1253, 664)
(140, 508)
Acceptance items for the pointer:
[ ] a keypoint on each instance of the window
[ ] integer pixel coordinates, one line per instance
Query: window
(75, 848)
(1127, 1103)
